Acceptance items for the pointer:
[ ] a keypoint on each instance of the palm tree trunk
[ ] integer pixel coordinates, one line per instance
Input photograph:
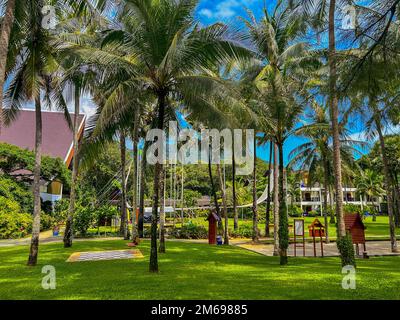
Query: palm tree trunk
(254, 208)
(143, 166)
(134, 175)
(6, 26)
(213, 189)
(332, 220)
(268, 206)
(335, 120)
(157, 171)
(388, 183)
(161, 247)
(397, 200)
(68, 234)
(224, 205)
(326, 183)
(36, 186)
(276, 201)
(234, 200)
(123, 230)
(283, 218)
(344, 243)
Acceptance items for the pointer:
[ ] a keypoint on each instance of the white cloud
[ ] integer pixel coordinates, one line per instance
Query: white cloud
(206, 12)
(224, 9)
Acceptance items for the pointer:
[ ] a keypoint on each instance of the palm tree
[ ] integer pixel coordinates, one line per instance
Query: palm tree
(320, 13)
(32, 69)
(169, 49)
(279, 74)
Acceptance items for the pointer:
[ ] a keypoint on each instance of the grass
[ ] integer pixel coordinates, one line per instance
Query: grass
(191, 271)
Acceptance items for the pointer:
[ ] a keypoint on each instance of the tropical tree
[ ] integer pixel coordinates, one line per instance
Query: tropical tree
(279, 74)
(322, 14)
(164, 51)
(31, 68)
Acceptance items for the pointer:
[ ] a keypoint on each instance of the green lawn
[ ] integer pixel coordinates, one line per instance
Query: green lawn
(191, 271)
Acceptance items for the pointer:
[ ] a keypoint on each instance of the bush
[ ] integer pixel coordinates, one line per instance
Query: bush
(351, 208)
(16, 191)
(202, 213)
(83, 219)
(313, 213)
(46, 221)
(189, 231)
(244, 231)
(14, 225)
(295, 211)
(60, 211)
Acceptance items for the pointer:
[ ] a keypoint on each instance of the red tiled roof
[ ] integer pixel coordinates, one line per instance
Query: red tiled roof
(57, 136)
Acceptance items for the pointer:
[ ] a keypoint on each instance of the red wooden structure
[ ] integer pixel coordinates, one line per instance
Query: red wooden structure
(212, 227)
(317, 229)
(356, 227)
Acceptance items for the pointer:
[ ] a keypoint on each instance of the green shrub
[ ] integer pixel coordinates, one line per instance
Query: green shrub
(203, 213)
(189, 231)
(16, 191)
(83, 219)
(46, 221)
(295, 211)
(351, 208)
(60, 211)
(244, 231)
(14, 225)
(313, 213)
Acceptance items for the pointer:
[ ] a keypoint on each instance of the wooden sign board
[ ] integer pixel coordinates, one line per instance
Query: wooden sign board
(299, 227)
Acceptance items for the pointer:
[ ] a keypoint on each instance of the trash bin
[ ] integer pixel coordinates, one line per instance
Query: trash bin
(219, 240)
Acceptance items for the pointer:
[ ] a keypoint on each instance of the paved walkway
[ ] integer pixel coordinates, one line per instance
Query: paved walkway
(374, 248)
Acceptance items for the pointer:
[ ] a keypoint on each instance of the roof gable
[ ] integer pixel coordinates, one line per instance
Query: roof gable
(57, 137)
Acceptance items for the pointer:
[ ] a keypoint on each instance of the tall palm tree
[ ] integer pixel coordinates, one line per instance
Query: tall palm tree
(279, 75)
(32, 69)
(322, 13)
(164, 51)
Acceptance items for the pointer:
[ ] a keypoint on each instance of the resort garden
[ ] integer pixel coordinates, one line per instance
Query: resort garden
(153, 149)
